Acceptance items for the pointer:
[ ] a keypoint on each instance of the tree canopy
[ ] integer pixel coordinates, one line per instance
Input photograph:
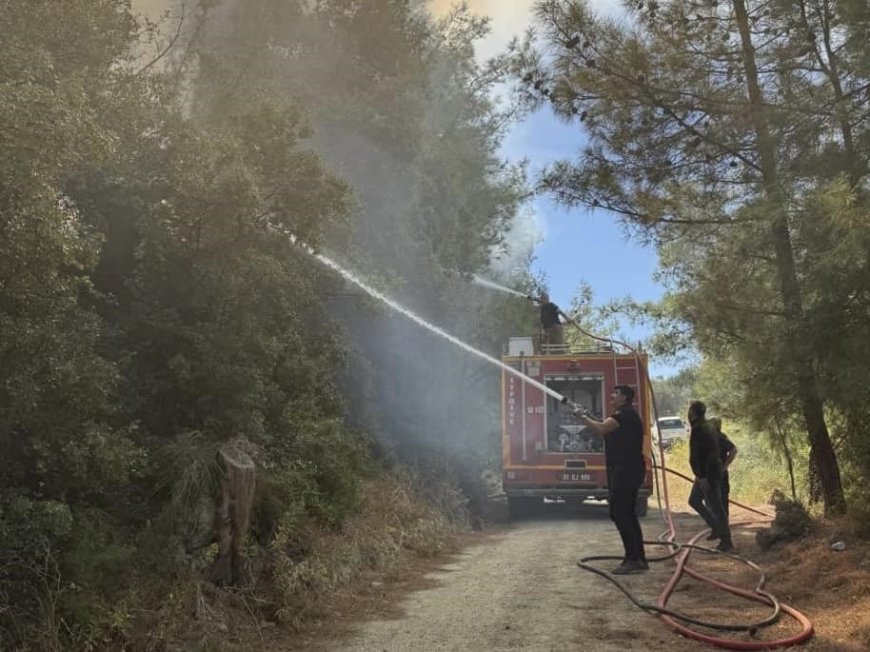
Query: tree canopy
(153, 308)
(727, 133)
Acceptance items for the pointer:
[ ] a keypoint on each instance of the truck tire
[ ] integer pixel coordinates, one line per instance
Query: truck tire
(524, 505)
(642, 505)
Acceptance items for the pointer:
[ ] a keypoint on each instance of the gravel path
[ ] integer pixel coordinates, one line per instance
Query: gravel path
(522, 590)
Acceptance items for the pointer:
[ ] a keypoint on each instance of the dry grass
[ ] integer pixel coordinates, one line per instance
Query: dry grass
(754, 475)
(393, 524)
(832, 588)
(303, 577)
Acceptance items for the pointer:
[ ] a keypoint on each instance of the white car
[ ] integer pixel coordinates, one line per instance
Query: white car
(672, 429)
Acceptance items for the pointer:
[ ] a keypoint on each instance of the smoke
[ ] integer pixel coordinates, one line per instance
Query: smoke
(507, 19)
(414, 157)
(153, 9)
(512, 257)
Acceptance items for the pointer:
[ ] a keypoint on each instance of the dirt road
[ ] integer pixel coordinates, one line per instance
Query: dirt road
(520, 589)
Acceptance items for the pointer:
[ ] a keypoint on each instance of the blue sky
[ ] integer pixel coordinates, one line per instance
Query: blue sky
(578, 244)
(575, 244)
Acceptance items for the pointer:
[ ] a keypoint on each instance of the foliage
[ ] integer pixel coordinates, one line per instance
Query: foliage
(754, 475)
(391, 523)
(728, 134)
(673, 394)
(404, 110)
(153, 307)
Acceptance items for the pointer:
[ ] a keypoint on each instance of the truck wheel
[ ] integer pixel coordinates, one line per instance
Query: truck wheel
(642, 505)
(523, 505)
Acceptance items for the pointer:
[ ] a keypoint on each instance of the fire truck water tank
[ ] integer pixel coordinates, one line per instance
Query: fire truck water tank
(518, 346)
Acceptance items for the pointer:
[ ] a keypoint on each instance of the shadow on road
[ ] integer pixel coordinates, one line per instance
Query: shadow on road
(557, 511)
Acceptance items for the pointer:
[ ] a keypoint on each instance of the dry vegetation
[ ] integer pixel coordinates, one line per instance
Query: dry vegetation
(325, 581)
(831, 588)
(393, 523)
(304, 576)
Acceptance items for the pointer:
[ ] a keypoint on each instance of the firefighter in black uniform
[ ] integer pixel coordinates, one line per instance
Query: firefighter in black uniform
(550, 321)
(709, 470)
(727, 453)
(623, 452)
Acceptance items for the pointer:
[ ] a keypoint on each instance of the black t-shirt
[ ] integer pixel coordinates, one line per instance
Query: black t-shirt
(725, 447)
(704, 455)
(549, 314)
(624, 446)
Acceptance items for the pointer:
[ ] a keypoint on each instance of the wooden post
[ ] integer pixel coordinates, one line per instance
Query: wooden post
(233, 514)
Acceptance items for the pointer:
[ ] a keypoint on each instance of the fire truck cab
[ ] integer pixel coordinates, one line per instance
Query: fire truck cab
(546, 452)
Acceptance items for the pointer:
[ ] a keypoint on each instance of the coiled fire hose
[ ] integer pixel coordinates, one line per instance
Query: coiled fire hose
(680, 552)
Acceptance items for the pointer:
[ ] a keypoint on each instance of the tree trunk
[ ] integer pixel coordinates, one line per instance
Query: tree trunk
(232, 515)
(814, 485)
(808, 393)
(782, 435)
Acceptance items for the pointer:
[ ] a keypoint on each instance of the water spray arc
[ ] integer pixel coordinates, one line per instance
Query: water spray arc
(679, 552)
(352, 278)
(496, 286)
(675, 620)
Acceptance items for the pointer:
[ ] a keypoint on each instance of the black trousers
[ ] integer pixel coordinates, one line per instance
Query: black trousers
(712, 505)
(623, 485)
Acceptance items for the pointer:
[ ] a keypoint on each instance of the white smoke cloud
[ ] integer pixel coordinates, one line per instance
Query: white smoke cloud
(525, 233)
(154, 9)
(509, 19)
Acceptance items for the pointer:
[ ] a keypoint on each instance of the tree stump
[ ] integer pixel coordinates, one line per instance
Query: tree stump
(791, 522)
(232, 515)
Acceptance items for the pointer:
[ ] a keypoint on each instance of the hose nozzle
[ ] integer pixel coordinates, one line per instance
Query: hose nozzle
(576, 408)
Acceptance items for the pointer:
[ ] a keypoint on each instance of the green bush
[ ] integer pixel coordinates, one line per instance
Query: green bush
(754, 475)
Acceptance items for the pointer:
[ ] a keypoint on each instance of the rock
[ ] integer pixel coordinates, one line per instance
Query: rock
(791, 522)
(838, 546)
(777, 497)
(496, 509)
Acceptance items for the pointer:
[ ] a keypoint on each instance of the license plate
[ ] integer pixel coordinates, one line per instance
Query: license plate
(576, 477)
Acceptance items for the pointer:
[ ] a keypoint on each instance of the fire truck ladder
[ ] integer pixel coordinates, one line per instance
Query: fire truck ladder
(628, 375)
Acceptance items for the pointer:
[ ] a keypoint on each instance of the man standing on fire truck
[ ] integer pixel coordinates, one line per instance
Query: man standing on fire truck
(623, 452)
(551, 324)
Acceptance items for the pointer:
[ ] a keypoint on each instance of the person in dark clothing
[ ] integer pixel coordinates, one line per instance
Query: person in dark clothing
(727, 453)
(550, 321)
(730, 452)
(626, 470)
(708, 490)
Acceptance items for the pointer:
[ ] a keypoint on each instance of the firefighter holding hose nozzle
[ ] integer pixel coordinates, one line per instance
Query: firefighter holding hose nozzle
(626, 471)
(551, 323)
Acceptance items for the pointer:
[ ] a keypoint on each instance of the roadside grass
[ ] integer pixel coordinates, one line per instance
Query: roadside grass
(393, 523)
(754, 475)
(296, 579)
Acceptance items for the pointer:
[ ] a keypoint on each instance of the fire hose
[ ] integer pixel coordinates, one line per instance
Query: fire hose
(680, 552)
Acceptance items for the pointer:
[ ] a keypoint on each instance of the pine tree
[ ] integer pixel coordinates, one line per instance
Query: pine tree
(713, 127)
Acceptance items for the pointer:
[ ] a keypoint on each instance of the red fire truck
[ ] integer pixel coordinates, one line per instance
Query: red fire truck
(546, 451)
